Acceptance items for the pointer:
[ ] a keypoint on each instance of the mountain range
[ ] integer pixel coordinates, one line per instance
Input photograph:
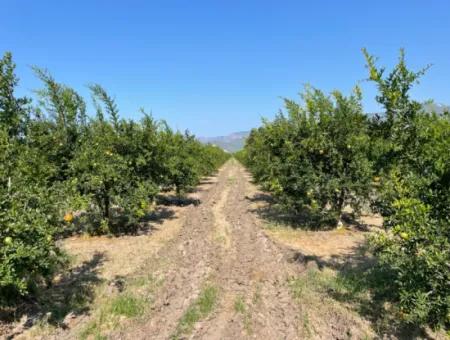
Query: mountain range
(436, 107)
(230, 143)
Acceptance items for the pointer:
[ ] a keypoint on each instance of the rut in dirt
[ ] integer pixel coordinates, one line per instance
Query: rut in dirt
(221, 244)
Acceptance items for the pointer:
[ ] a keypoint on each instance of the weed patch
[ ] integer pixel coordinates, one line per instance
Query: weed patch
(241, 308)
(201, 308)
(127, 305)
(132, 303)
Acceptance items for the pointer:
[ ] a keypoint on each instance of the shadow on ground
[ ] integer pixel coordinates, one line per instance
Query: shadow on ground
(69, 296)
(271, 211)
(174, 200)
(363, 286)
(87, 222)
(202, 183)
(158, 216)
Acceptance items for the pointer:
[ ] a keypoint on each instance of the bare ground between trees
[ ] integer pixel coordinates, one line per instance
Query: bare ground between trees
(223, 246)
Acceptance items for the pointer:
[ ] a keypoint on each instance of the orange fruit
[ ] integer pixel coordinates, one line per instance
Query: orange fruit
(68, 217)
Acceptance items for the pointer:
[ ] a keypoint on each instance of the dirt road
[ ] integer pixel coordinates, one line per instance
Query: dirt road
(221, 245)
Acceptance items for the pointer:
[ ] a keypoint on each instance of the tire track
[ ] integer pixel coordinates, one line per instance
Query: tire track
(252, 274)
(221, 243)
(184, 264)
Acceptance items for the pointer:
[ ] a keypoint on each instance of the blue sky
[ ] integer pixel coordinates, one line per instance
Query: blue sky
(216, 67)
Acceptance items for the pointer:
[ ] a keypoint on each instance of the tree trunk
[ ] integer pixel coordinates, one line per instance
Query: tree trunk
(106, 205)
(340, 206)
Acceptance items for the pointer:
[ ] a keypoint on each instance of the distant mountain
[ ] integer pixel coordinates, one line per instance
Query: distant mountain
(231, 143)
(435, 107)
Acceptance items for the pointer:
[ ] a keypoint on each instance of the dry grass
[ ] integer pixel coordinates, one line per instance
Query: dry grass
(322, 316)
(123, 255)
(338, 243)
(222, 227)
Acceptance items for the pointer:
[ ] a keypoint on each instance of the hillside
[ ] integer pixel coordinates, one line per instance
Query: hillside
(231, 143)
(435, 107)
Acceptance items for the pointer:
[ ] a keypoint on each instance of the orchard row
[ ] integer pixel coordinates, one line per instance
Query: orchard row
(324, 156)
(64, 170)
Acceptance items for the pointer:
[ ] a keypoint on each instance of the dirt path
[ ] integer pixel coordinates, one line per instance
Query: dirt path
(222, 245)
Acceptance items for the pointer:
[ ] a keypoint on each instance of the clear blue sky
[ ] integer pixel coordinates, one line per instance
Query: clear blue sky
(215, 67)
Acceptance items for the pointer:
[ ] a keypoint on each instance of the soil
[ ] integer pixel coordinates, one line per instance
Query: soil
(222, 244)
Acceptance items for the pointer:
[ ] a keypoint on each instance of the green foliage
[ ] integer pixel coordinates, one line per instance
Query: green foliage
(63, 171)
(241, 156)
(100, 170)
(28, 254)
(13, 111)
(326, 153)
(187, 160)
(315, 157)
(414, 196)
(416, 250)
